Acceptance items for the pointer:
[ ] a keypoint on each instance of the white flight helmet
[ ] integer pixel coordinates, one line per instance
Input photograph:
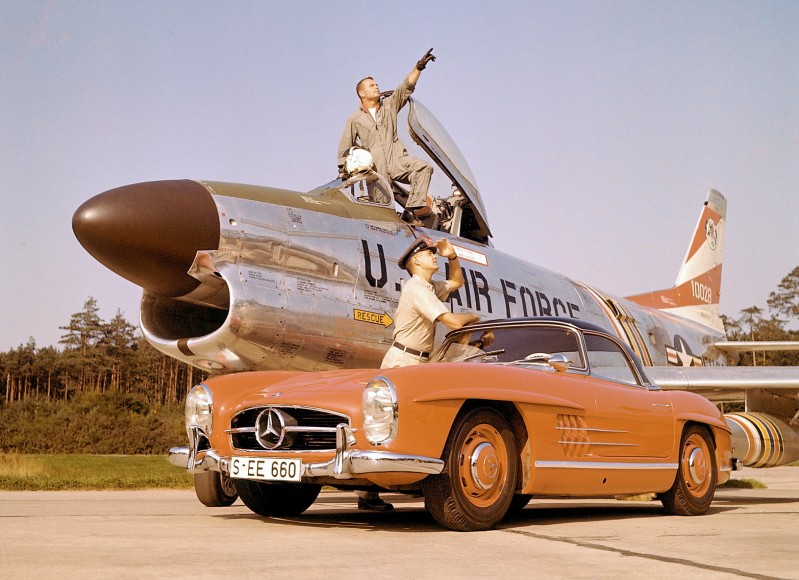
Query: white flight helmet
(358, 160)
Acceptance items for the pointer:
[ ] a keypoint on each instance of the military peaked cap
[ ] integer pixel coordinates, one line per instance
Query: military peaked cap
(419, 245)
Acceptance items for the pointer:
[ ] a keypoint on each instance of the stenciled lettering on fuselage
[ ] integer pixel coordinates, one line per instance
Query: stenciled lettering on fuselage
(701, 292)
(506, 298)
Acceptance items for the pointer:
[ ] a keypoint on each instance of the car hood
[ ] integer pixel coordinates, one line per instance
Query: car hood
(336, 389)
(336, 381)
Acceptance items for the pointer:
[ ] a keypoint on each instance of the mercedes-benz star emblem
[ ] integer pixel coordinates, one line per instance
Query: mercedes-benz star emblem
(491, 466)
(270, 427)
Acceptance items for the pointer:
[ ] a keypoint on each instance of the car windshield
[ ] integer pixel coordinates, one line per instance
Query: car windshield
(511, 345)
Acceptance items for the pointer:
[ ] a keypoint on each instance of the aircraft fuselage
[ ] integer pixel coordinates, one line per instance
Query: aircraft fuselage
(240, 277)
(310, 281)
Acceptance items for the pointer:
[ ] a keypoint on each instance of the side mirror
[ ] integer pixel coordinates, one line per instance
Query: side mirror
(560, 362)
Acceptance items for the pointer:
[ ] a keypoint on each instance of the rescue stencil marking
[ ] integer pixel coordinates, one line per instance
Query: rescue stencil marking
(373, 317)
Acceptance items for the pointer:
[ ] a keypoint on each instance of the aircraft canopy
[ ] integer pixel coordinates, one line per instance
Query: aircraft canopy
(431, 136)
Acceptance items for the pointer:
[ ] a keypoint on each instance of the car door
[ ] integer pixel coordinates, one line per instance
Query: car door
(632, 419)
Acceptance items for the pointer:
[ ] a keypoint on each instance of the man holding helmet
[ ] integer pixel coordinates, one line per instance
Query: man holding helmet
(374, 126)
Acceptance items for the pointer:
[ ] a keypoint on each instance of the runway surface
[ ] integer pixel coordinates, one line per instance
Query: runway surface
(750, 533)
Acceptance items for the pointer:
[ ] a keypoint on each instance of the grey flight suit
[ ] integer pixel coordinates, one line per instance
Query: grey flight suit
(390, 156)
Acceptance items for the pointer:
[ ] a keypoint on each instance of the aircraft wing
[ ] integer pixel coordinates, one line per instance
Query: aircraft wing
(726, 378)
(756, 345)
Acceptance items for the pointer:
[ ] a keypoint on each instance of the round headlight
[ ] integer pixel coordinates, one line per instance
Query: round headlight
(380, 411)
(199, 409)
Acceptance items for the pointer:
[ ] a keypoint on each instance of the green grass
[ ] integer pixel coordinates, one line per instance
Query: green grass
(743, 483)
(93, 472)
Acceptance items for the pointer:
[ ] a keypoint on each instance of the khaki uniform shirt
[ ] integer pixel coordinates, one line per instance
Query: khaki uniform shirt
(379, 136)
(419, 305)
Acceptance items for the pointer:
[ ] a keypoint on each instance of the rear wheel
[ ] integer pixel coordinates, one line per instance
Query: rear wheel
(695, 483)
(214, 489)
(277, 499)
(477, 485)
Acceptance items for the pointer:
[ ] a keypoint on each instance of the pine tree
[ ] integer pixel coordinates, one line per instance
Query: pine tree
(119, 342)
(81, 354)
(785, 300)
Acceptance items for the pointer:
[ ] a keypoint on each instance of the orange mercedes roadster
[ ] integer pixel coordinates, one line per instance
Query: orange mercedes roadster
(505, 411)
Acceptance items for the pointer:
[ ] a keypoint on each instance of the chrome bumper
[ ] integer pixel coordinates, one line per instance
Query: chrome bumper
(347, 463)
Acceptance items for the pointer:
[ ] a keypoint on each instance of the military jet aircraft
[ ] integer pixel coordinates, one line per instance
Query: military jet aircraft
(243, 277)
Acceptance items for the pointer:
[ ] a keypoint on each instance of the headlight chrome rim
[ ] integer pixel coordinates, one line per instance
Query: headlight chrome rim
(199, 409)
(380, 411)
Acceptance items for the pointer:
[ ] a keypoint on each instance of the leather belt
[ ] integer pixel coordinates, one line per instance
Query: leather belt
(410, 350)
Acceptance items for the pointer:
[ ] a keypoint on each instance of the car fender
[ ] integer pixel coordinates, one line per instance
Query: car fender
(497, 394)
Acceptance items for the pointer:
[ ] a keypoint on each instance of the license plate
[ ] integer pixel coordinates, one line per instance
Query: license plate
(266, 468)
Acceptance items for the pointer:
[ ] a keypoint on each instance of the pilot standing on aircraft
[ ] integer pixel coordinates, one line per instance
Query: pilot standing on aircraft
(420, 307)
(374, 125)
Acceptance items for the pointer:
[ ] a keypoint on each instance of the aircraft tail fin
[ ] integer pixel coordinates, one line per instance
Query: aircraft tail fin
(695, 295)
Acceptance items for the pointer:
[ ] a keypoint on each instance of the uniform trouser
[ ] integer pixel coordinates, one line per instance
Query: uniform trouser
(417, 173)
(396, 357)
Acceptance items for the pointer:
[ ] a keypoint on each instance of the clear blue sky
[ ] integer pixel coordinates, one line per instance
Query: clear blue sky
(594, 128)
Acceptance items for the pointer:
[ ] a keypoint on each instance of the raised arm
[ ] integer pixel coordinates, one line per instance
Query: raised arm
(447, 250)
(413, 76)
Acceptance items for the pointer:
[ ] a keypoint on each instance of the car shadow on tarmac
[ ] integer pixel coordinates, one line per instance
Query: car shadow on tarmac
(338, 510)
(410, 515)
(398, 520)
(749, 500)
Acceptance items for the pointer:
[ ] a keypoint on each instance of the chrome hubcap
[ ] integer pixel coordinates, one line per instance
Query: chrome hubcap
(484, 465)
(697, 465)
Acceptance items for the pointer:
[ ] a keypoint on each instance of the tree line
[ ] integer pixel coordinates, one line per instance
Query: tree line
(754, 323)
(96, 356)
(99, 356)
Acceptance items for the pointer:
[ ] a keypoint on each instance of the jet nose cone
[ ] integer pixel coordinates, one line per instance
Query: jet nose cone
(150, 232)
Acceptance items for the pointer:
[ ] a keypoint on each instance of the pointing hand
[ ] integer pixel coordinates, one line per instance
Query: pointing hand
(425, 59)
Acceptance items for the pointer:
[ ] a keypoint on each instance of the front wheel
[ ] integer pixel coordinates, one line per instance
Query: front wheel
(214, 489)
(477, 485)
(695, 483)
(277, 499)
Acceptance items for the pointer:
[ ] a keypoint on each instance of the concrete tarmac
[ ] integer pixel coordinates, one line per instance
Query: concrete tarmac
(749, 533)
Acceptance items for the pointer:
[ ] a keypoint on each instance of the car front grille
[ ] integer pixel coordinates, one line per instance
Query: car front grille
(285, 428)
